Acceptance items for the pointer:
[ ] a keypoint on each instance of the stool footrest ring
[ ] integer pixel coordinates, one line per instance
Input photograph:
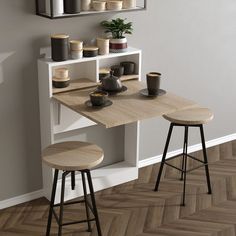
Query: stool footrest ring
(70, 203)
(77, 222)
(73, 222)
(194, 168)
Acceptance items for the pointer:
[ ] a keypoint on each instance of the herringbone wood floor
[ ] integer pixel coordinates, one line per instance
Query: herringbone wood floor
(133, 209)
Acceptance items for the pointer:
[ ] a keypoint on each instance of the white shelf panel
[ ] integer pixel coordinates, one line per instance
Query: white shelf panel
(103, 178)
(129, 51)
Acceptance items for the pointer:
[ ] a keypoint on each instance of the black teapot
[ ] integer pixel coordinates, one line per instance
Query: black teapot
(111, 83)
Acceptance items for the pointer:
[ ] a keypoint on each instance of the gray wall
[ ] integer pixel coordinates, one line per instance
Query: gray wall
(192, 42)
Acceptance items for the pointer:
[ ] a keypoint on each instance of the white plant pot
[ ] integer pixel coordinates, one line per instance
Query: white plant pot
(118, 45)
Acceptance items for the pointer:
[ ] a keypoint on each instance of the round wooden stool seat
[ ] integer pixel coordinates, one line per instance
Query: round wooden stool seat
(193, 116)
(72, 156)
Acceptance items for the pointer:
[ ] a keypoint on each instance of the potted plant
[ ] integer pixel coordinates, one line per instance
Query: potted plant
(118, 28)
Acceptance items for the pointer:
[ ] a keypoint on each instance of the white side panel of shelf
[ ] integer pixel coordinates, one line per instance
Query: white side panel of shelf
(46, 121)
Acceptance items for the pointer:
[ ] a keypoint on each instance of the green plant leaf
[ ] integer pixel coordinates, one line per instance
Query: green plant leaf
(117, 27)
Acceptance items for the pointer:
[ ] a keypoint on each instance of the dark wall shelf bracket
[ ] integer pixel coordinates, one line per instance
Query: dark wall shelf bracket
(41, 10)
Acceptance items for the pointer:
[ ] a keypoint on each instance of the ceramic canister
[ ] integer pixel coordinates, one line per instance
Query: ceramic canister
(103, 45)
(129, 4)
(58, 7)
(78, 54)
(99, 5)
(90, 51)
(72, 6)
(60, 47)
(86, 5)
(114, 5)
(76, 45)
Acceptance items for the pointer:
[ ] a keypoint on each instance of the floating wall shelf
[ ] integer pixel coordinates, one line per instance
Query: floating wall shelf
(45, 8)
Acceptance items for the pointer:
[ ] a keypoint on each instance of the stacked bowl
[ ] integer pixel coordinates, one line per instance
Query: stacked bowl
(61, 78)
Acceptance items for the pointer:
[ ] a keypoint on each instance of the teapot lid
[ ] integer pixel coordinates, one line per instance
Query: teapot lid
(112, 75)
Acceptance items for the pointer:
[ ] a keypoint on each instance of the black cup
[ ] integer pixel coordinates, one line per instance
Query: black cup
(153, 82)
(129, 67)
(98, 98)
(118, 70)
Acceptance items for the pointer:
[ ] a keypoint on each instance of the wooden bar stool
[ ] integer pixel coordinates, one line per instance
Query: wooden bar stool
(194, 117)
(70, 157)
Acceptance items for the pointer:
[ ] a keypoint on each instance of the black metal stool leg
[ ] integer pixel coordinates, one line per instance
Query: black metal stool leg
(205, 160)
(185, 163)
(163, 158)
(86, 200)
(54, 187)
(184, 153)
(93, 202)
(62, 202)
(73, 180)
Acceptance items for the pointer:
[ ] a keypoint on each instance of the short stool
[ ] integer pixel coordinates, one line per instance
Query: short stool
(70, 157)
(194, 117)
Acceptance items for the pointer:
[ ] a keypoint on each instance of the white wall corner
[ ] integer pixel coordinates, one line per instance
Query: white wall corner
(21, 199)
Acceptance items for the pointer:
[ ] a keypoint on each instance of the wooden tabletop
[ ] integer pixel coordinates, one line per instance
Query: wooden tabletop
(127, 107)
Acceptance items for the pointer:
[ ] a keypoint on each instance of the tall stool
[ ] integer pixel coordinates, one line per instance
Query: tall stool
(194, 117)
(70, 157)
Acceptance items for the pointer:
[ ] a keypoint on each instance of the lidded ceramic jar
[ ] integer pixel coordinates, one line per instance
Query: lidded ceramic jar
(99, 5)
(61, 78)
(103, 45)
(90, 51)
(58, 7)
(60, 47)
(72, 6)
(86, 5)
(129, 4)
(76, 49)
(114, 5)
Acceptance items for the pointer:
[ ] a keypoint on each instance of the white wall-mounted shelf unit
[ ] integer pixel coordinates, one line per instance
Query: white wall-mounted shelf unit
(56, 119)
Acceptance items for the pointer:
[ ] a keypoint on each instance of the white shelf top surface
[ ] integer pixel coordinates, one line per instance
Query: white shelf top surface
(129, 51)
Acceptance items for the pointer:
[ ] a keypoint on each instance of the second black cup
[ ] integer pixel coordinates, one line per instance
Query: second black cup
(129, 67)
(153, 82)
(118, 70)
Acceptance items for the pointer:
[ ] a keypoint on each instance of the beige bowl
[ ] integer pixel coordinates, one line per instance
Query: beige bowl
(61, 73)
(99, 5)
(114, 5)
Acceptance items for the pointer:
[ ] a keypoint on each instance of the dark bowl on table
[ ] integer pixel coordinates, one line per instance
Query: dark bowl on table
(98, 98)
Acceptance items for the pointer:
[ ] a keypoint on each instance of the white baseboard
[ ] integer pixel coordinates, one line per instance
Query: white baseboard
(193, 148)
(21, 199)
(149, 161)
